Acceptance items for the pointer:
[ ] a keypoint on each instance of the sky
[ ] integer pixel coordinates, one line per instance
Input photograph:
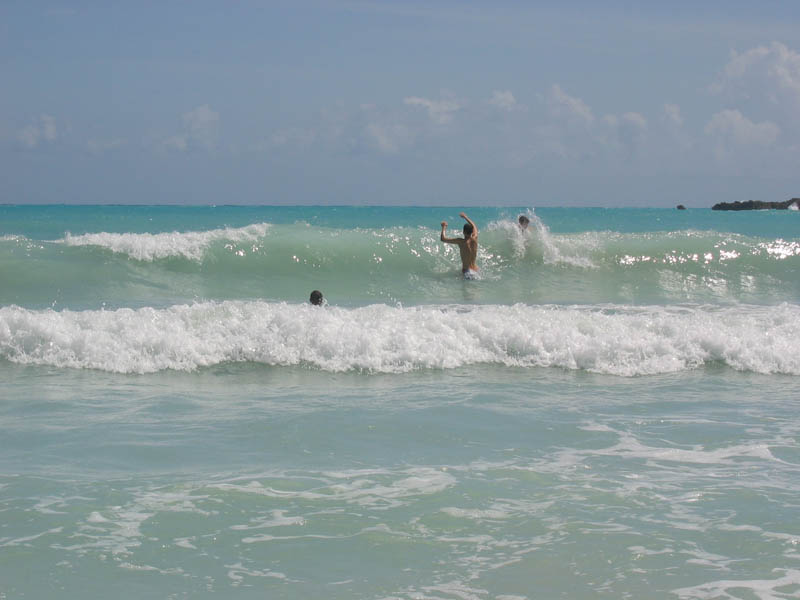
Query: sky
(367, 102)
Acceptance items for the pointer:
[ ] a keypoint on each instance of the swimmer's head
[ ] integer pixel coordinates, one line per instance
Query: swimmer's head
(523, 221)
(316, 298)
(468, 229)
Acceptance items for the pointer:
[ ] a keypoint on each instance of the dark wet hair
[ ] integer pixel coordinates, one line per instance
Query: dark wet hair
(467, 229)
(316, 298)
(523, 220)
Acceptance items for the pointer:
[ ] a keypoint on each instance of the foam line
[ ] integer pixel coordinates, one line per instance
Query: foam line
(620, 340)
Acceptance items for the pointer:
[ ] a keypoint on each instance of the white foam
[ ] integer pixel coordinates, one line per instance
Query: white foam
(117, 530)
(728, 459)
(96, 517)
(377, 489)
(456, 589)
(623, 341)
(237, 572)
(154, 246)
(765, 589)
(23, 541)
(278, 519)
(476, 514)
(572, 250)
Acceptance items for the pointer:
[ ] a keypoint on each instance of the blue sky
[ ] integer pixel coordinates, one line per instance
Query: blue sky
(380, 102)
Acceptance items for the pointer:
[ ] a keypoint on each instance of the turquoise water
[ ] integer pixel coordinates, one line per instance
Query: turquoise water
(609, 412)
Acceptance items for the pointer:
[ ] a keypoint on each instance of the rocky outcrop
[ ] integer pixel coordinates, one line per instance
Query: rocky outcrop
(756, 205)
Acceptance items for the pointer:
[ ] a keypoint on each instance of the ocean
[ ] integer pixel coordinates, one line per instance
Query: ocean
(609, 411)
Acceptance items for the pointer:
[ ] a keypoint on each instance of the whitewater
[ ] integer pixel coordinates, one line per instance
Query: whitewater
(608, 411)
(384, 339)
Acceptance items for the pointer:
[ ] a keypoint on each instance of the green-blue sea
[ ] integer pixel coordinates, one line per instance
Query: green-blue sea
(609, 411)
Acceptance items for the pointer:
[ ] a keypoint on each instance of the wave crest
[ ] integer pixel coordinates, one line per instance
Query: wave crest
(154, 246)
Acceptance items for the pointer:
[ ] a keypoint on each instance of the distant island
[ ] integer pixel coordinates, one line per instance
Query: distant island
(757, 205)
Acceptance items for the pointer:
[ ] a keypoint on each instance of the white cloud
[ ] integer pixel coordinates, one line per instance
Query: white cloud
(29, 136)
(632, 128)
(623, 134)
(742, 145)
(763, 83)
(439, 111)
(673, 144)
(634, 120)
(563, 106)
(574, 133)
(776, 63)
(43, 129)
(767, 80)
(503, 99)
(48, 128)
(201, 122)
(389, 138)
(672, 113)
(733, 128)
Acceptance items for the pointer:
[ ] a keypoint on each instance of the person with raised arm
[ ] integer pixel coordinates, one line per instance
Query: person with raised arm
(467, 246)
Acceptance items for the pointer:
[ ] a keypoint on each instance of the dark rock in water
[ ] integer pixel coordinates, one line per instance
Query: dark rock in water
(681, 207)
(756, 205)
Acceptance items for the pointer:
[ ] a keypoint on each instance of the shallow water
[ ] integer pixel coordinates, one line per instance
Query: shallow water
(166, 440)
(242, 481)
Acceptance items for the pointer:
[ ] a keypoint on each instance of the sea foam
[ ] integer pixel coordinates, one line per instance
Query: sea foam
(537, 239)
(153, 246)
(616, 340)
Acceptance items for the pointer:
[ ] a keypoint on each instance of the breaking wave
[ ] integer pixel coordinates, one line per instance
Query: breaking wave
(407, 264)
(191, 245)
(615, 340)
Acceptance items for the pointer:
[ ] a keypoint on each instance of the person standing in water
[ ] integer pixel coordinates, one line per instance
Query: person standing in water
(468, 246)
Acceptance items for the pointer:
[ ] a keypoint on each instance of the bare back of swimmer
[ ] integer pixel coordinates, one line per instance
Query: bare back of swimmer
(467, 246)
